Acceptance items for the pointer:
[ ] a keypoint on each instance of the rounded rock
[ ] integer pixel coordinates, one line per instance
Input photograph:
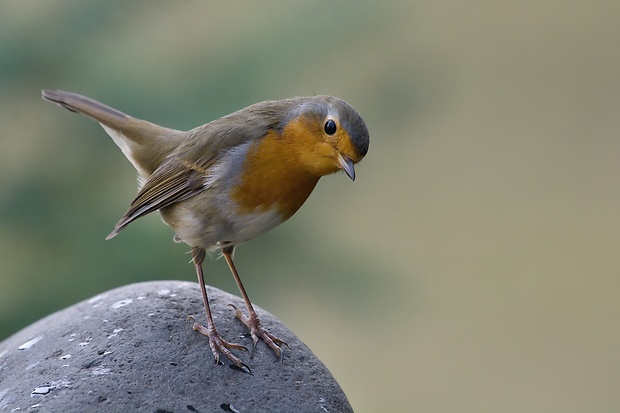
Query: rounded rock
(132, 349)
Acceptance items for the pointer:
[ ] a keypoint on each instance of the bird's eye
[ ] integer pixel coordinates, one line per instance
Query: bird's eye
(330, 127)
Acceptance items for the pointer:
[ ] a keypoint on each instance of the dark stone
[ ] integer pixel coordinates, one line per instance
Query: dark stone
(132, 349)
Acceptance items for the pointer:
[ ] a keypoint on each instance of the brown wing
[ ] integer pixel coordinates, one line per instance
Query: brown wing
(172, 182)
(176, 180)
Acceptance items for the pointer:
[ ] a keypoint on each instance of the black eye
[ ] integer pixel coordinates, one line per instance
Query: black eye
(330, 127)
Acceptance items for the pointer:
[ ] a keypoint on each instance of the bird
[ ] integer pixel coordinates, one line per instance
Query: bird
(230, 180)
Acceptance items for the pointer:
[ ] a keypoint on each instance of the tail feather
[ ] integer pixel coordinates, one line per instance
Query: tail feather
(86, 106)
(135, 137)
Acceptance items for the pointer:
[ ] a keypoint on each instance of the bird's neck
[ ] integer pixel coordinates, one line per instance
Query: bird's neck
(274, 177)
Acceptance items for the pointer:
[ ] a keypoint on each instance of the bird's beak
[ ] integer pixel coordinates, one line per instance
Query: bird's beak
(347, 166)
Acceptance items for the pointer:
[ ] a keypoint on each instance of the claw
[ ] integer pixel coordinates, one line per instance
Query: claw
(258, 331)
(244, 368)
(219, 345)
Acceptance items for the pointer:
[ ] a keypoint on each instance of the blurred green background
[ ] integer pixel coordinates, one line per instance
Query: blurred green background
(473, 266)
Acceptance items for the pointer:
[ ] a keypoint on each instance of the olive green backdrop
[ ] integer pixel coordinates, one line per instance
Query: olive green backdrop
(473, 266)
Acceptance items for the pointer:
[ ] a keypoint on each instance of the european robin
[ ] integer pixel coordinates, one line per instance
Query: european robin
(223, 183)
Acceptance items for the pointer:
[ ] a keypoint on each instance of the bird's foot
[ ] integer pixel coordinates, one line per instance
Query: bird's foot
(258, 331)
(219, 345)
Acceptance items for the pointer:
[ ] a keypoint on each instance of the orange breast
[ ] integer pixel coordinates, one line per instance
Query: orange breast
(273, 177)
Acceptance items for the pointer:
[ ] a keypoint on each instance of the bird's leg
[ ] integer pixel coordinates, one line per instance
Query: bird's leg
(217, 343)
(252, 321)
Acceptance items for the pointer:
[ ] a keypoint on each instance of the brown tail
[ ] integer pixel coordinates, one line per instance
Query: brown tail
(126, 128)
(91, 108)
(133, 128)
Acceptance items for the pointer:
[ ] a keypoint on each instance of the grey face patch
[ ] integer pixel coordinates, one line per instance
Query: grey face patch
(312, 106)
(323, 107)
(355, 126)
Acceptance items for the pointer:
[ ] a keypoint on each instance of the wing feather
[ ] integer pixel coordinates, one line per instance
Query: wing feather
(184, 173)
(174, 181)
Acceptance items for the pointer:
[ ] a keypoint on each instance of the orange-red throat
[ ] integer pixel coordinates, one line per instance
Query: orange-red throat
(282, 168)
(273, 177)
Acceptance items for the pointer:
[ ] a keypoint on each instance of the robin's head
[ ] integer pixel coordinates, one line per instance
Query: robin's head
(329, 135)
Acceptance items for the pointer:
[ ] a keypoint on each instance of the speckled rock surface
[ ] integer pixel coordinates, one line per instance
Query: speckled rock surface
(132, 350)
